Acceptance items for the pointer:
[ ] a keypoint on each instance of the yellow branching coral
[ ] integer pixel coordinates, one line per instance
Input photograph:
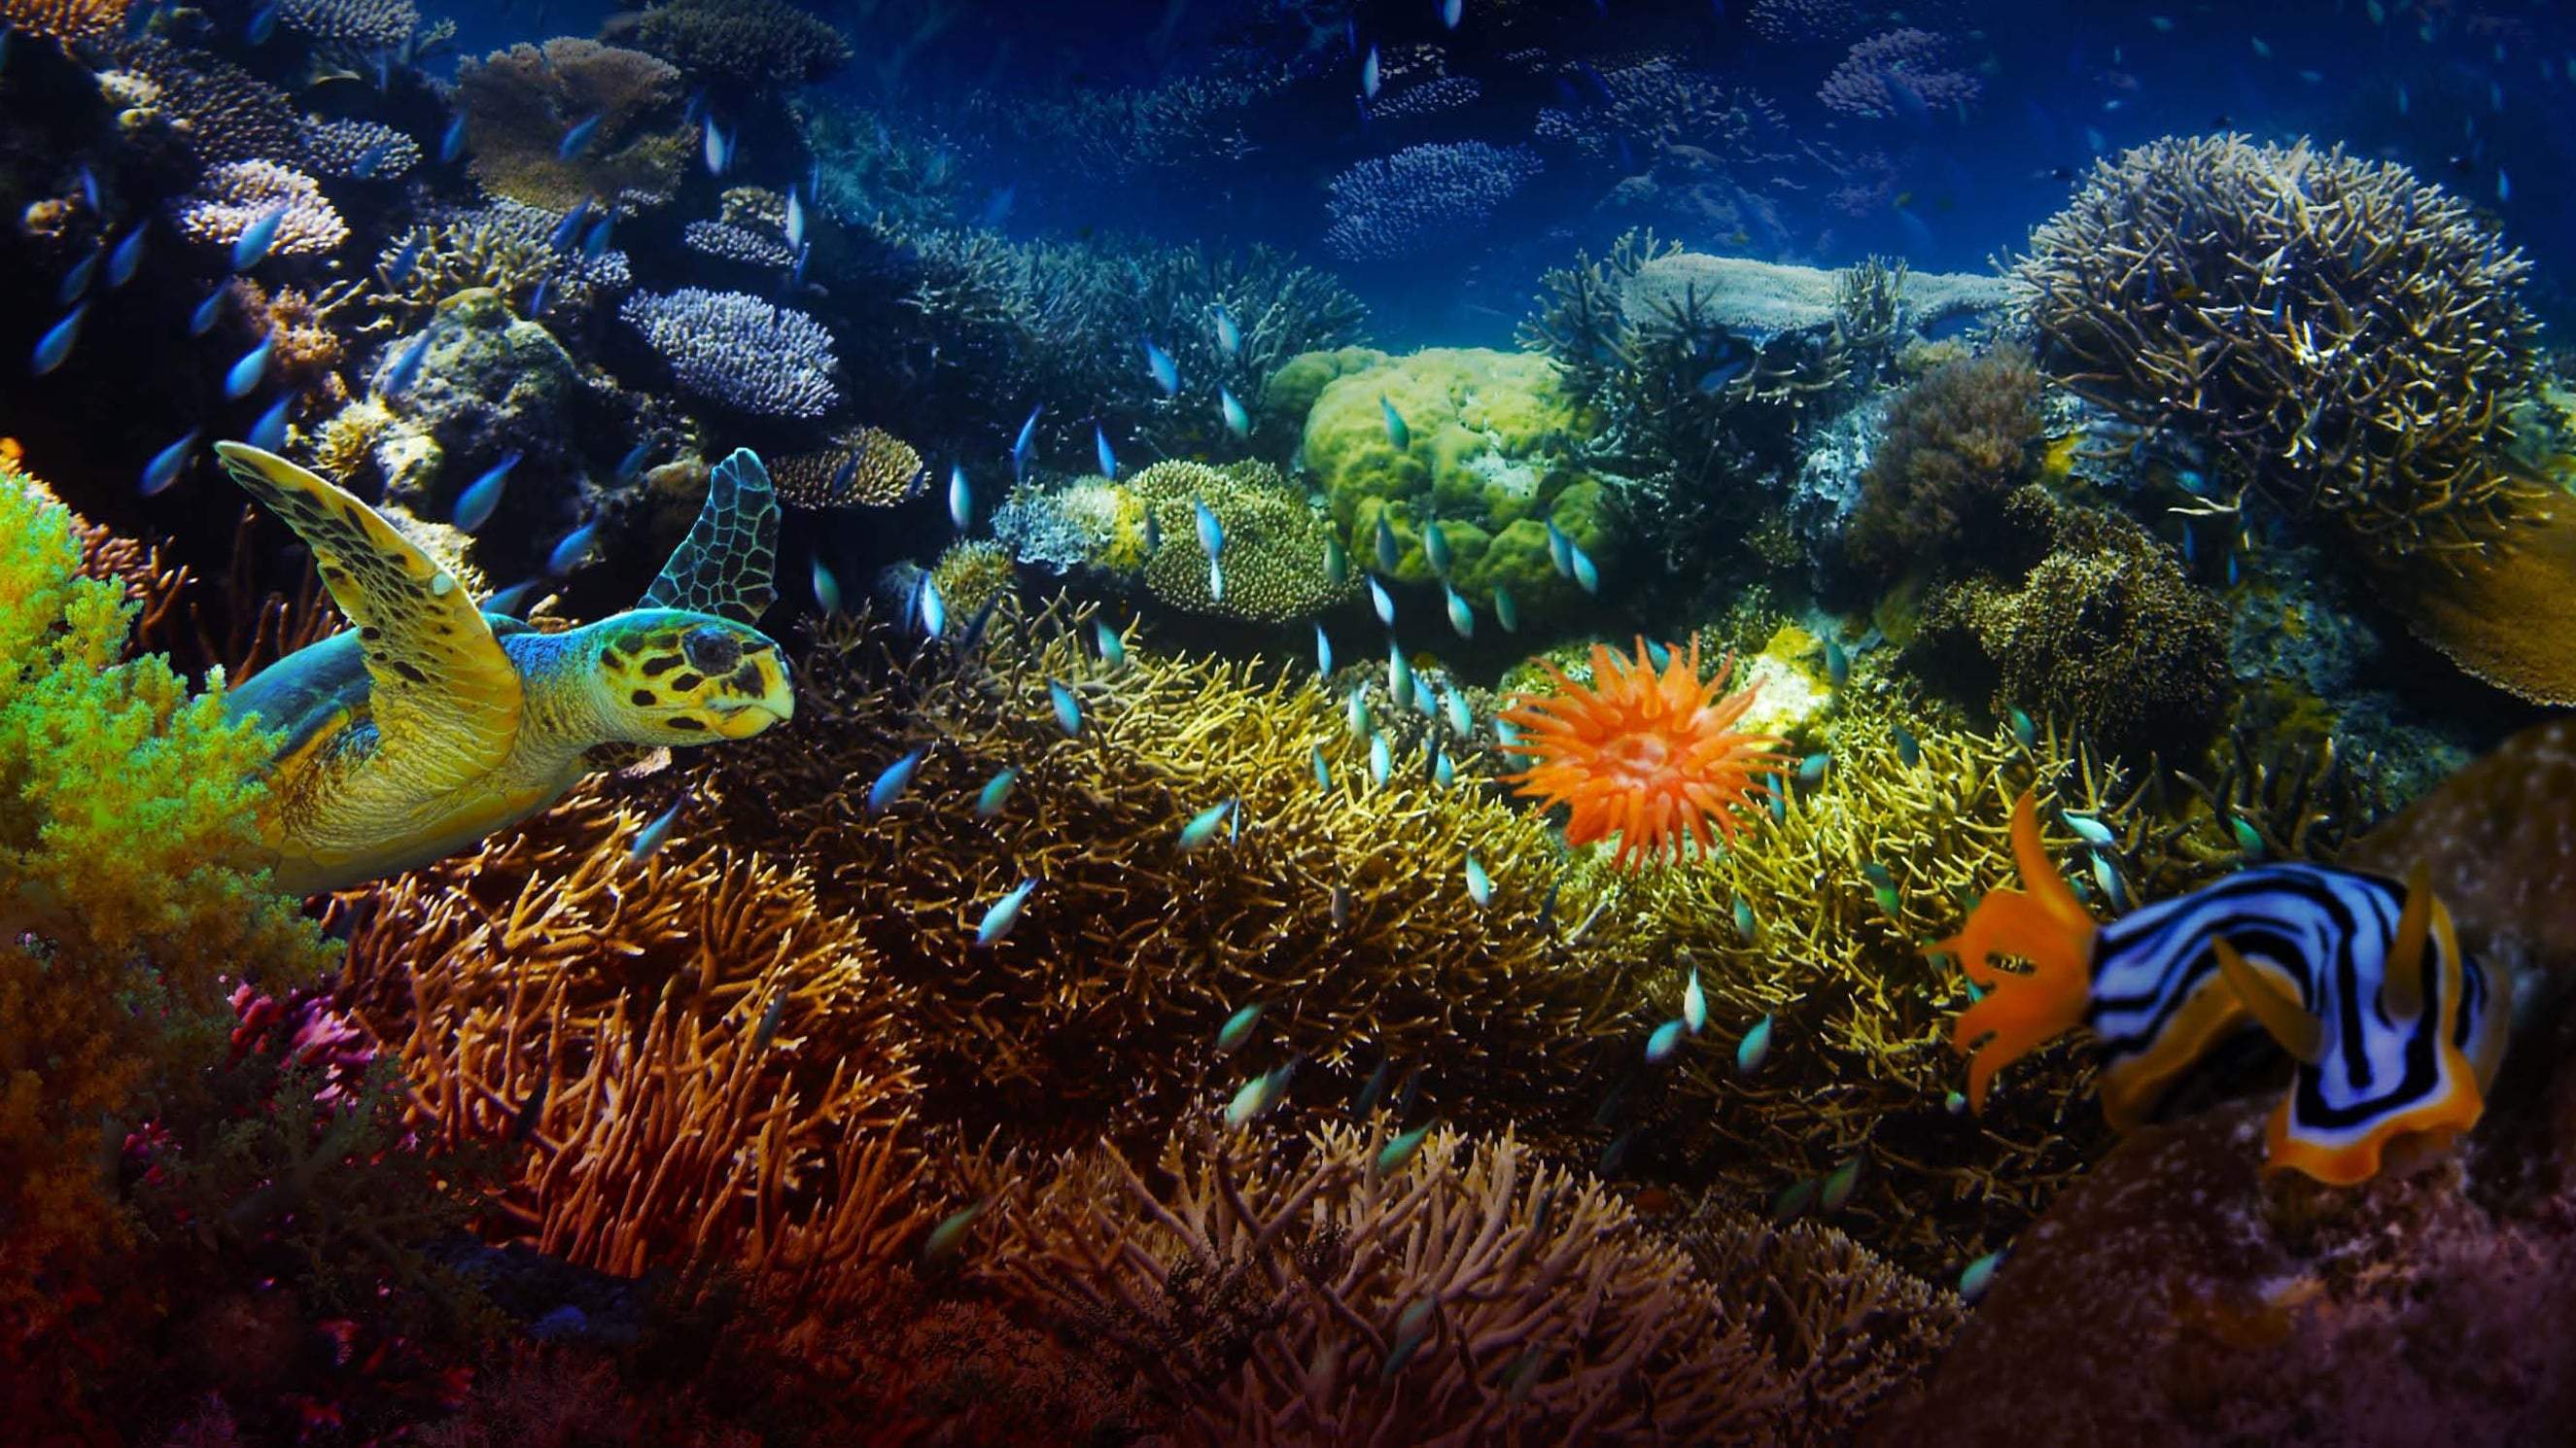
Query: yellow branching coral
(707, 1064)
(1273, 563)
(969, 574)
(520, 103)
(127, 890)
(1277, 1290)
(865, 467)
(2347, 335)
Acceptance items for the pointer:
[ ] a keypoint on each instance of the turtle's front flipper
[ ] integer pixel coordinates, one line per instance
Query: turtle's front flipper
(723, 567)
(444, 694)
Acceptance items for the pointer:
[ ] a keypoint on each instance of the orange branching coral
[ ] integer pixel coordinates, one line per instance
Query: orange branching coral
(520, 103)
(1275, 1289)
(706, 1062)
(64, 19)
(1654, 758)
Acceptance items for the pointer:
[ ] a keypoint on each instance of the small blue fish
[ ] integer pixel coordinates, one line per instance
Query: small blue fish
(2088, 829)
(631, 466)
(1450, 11)
(1211, 532)
(719, 149)
(208, 312)
(1381, 601)
(1337, 563)
(451, 144)
(574, 547)
(1381, 759)
(127, 255)
(1837, 664)
(1389, 553)
(1435, 547)
(1392, 1156)
(1811, 770)
(482, 498)
(77, 280)
(1443, 773)
(2023, 730)
(1005, 913)
(1480, 886)
(989, 799)
(1909, 752)
(1396, 432)
(507, 602)
(1159, 364)
(399, 270)
(1506, 733)
(1216, 580)
(1068, 709)
(1979, 1276)
(1667, 1038)
(1461, 616)
(89, 188)
(896, 778)
(1203, 825)
(169, 462)
(1754, 1048)
(263, 24)
(795, 227)
(1506, 612)
(1560, 550)
(268, 434)
(1323, 770)
(1359, 713)
(594, 243)
(946, 1238)
(252, 370)
(1399, 676)
(1256, 1097)
(1584, 573)
(1113, 649)
(961, 499)
(568, 229)
(1694, 1004)
(370, 161)
(1323, 651)
(1108, 459)
(1229, 337)
(1237, 421)
(827, 589)
(57, 342)
(1369, 78)
(1462, 722)
(251, 247)
(649, 840)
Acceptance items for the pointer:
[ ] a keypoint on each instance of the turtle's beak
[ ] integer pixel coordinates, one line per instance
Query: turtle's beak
(748, 713)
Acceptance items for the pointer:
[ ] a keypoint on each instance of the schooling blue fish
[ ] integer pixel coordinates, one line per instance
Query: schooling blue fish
(961, 499)
(1381, 601)
(1560, 550)
(1158, 362)
(1435, 547)
(989, 799)
(89, 188)
(1666, 1039)
(268, 434)
(370, 160)
(1229, 337)
(451, 144)
(127, 255)
(1396, 432)
(169, 462)
(1068, 709)
(1462, 722)
(263, 24)
(2395, 1031)
(1237, 421)
(399, 270)
(894, 781)
(631, 466)
(1021, 445)
(827, 589)
(1450, 13)
(77, 280)
(569, 228)
(934, 609)
(997, 921)
(208, 312)
(1399, 675)
(1337, 563)
(1108, 459)
(1211, 531)
(247, 374)
(1388, 554)
(482, 497)
(795, 227)
(507, 602)
(251, 247)
(594, 243)
(1323, 652)
(1113, 649)
(649, 840)
(1581, 562)
(1506, 612)
(1369, 75)
(1462, 617)
(719, 149)
(1203, 825)
(569, 551)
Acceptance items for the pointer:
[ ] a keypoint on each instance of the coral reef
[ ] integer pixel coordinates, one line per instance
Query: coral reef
(1386, 208)
(360, 25)
(219, 111)
(2105, 634)
(1275, 1290)
(1273, 564)
(735, 349)
(1956, 443)
(1899, 73)
(759, 44)
(2507, 613)
(344, 148)
(2345, 335)
(490, 384)
(970, 574)
(65, 19)
(503, 246)
(865, 467)
(1492, 454)
(234, 194)
(520, 103)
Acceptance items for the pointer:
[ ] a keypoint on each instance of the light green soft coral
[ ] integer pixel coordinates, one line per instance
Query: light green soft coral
(128, 891)
(1492, 453)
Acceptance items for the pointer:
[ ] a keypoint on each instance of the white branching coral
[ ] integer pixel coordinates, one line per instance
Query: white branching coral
(233, 196)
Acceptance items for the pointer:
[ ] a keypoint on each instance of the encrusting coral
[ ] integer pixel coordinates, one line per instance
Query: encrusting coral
(1332, 1287)
(520, 103)
(2348, 336)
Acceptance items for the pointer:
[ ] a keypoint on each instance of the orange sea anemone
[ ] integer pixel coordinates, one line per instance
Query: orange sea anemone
(1653, 757)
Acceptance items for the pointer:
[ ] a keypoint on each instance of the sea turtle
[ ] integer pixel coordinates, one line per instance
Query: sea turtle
(428, 724)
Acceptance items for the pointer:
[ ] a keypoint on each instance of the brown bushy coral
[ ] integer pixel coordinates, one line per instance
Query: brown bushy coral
(707, 1064)
(2347, 335)
(520, 103)
(2105, 633)
(1956, 443)
(1279, 1289)
(762, 44)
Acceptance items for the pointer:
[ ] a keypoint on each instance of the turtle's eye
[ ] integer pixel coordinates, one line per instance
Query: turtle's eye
(711, 650)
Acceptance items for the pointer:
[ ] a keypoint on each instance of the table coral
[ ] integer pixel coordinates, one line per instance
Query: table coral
(519, 104)
(504, 245)
(231, 196)
(1492, 453)
(360, 25)
(2347, 335)
(735, 349)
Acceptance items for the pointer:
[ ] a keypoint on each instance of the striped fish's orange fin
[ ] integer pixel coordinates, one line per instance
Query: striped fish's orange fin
(2042, 923)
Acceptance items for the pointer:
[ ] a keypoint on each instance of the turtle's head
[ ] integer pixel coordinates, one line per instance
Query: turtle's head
(670, 677)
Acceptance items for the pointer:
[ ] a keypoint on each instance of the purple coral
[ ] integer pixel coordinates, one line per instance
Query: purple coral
(1394, 206)
(734, 348)
(1897, 71)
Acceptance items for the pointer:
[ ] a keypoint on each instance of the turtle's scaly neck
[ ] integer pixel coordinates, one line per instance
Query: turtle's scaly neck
(563, 716)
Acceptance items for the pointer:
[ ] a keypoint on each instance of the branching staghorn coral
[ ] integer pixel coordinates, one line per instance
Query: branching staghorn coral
(1277, 1290)
(709, 1070)
(64, 19)
(1385, 208)
(520, 103)
(2347, 336)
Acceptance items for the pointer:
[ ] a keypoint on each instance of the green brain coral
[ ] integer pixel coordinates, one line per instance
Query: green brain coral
(1491, 453)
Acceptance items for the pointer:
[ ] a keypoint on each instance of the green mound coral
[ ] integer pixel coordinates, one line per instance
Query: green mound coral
(1491, 452)
(1273, 564)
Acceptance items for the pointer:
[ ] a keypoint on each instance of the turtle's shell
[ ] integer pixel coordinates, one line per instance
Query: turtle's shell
(318, 687)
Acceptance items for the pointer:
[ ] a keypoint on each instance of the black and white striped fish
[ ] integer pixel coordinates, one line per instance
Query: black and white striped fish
(2361, 979)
